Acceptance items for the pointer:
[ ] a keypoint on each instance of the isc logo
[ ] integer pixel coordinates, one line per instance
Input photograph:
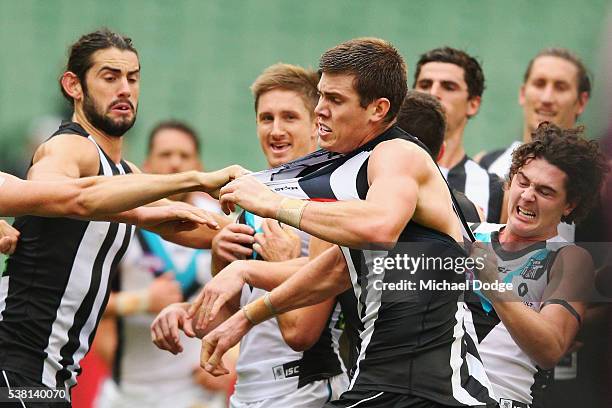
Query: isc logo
(285, 371)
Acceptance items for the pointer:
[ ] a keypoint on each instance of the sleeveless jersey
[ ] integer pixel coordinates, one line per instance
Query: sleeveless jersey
(267, 367)
(513, 374)
(482, 188)
(499, 161)
(410, 342)
(55, 287)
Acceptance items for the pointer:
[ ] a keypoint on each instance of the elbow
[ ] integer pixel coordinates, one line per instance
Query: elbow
(550, 357)
(381, 232)
(298, 340)
(83, 206)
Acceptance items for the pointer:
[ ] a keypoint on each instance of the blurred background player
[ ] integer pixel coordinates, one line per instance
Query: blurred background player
(457, 80)
(153, 274)
(556, 88)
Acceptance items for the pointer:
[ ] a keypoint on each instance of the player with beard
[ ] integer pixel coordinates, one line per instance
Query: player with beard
(56, 283)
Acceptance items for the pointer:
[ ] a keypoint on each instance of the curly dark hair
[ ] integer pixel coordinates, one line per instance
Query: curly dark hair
(580, 159)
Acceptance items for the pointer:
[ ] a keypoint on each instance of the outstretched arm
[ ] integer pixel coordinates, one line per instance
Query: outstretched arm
(320, 279)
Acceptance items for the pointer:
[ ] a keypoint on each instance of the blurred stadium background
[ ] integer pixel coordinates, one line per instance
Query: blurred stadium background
(199, 58)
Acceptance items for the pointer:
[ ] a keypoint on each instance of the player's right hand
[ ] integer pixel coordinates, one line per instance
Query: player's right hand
(165, 327)
(8, 238)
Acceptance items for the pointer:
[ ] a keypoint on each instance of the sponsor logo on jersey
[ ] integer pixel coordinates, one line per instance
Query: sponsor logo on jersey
(287, 370)
(534, 269)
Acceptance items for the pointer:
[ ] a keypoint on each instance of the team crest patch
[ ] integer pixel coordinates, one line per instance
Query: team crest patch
(534, 270)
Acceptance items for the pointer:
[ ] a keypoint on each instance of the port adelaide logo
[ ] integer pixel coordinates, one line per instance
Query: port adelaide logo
(534, 269)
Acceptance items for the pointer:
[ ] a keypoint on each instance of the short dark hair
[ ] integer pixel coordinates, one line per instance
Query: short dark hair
(291, 78)
(580, 159)
(79, 58)
(583, 76)
(422, 115)
(176, 125)
(379, 70)
(472, 71)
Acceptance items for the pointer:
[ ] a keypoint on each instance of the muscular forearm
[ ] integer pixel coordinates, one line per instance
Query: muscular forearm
(320, 279)
(91, 197)
(540, 339)
(268, 275)
(107, 195)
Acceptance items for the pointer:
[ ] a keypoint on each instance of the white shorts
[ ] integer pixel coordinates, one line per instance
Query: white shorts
(313, 395)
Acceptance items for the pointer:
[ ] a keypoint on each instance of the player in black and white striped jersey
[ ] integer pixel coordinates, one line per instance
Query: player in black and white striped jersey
(457, 80)
(56, 283)
(382, 188)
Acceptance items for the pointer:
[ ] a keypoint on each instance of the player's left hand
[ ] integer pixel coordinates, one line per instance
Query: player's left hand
(277, 243)
(8, 238)
(250, 194)
(220, 340)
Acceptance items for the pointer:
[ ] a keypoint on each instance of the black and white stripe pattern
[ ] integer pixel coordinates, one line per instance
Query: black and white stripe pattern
(499, 161)
(56, 287)
(409, 345)
(484, 189)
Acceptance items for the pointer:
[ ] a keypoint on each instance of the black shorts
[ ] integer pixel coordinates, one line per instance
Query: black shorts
(16, 380)
(382, 399)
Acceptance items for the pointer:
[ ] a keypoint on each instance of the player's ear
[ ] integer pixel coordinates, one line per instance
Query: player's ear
(379, 109)
(72, 85)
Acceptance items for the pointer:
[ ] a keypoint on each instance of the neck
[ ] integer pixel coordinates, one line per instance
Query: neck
(526, 134)
(111, 145)
(514, 242)
(453, 151)
(375, 132)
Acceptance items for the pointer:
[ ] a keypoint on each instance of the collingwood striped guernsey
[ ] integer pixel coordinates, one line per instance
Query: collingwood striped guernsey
(515, 377)
(55, 287)
(412, 342)
(482, 188)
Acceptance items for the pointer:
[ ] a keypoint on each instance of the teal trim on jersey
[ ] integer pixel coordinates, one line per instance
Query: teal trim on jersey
(483, 236)
(486, 304)
(251, 221)
(184, 277)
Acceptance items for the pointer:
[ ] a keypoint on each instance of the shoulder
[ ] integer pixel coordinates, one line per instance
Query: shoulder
(399, 149)
(400, 157)
(70, 150)
(574, 256)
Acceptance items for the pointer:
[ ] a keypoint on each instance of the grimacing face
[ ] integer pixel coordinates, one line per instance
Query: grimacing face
(286, 129)
(446, 82)
(551, 94)
(537, 200)
(110, 98)
(342, 122)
